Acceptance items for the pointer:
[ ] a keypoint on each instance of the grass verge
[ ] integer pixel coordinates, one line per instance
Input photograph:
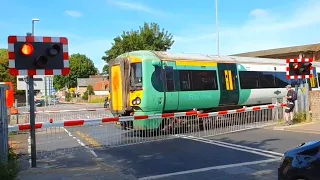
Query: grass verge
(10, 170)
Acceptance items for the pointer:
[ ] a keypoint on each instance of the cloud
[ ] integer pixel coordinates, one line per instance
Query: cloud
(263, 29)
(72, 13)
(135, 7)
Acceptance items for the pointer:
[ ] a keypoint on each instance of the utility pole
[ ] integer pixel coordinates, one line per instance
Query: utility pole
(217, 29)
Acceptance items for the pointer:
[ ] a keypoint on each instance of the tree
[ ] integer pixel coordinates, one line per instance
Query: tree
(4, 70)
(80, 67)
(148, 37)
(105, 69)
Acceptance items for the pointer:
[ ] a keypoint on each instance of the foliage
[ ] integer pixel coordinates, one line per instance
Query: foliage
(301, 117)
(97, 100)
(88, 92)
(105, 69)
(80, 67)
(10, 170)
(148, 37)
(68, 97)
(4, 71)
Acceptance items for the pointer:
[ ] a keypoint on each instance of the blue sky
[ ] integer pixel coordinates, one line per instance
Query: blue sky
(245, 25)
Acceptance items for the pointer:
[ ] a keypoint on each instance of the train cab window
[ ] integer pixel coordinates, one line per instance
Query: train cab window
(266, 80)
(185, 80)
(204, 80)
(136, 75)
(169, 78)
(249, 79)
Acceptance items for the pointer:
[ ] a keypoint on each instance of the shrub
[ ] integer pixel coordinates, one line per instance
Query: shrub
(10, 170)
(301, 117)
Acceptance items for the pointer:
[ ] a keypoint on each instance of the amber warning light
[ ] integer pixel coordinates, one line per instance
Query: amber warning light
(27, 49)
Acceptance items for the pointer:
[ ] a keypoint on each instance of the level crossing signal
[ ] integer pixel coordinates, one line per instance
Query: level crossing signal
(299, 68)
(37, 55)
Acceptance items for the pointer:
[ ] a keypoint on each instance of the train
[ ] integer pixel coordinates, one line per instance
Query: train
(154, 82)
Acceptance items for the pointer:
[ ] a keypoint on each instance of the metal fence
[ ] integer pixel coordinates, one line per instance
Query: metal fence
(61, 137)
(47, 116)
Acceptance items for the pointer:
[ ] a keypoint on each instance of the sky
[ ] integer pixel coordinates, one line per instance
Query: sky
(91, 26)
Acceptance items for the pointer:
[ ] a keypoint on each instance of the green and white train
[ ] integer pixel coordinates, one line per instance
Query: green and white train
(154, 82)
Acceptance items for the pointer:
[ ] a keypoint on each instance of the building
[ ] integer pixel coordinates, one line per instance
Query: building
(312, 50)
(99, 83)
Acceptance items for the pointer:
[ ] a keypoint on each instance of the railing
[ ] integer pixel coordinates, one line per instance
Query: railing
(67, 136)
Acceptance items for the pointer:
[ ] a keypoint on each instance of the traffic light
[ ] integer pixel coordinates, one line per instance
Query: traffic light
(35, 55)
(299, 69)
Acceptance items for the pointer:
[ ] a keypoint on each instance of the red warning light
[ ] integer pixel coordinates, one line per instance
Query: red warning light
(296, 66)
(27, 49)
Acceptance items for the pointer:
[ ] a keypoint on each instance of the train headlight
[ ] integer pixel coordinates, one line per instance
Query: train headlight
(138, 100)
(134, 102)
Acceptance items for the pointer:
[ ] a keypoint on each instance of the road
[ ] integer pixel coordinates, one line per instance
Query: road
(233, 156)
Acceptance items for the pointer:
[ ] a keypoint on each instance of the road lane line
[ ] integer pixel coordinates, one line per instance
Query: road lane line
(240, 146)
(211, 168)
(230, 147)
(80, 142)
(29, 149)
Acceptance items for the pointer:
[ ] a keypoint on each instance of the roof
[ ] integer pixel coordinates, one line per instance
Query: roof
(84, 82)
(285, 50)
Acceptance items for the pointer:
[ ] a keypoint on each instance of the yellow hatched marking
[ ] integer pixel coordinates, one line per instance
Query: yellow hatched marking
(227, 79)
(90, 140)
(195, 63)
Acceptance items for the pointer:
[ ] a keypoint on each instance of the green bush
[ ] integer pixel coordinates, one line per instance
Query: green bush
(301, 117)
(10, 170)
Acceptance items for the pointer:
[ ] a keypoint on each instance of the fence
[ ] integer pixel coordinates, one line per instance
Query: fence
(46, 116)
(62, 137)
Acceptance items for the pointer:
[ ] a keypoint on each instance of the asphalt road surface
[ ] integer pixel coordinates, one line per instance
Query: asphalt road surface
(252, 154)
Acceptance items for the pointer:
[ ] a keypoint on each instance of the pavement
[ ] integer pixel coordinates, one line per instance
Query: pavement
(311, 127)
(87, 153)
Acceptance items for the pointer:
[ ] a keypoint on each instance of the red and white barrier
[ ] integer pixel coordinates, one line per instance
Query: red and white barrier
(86, 122)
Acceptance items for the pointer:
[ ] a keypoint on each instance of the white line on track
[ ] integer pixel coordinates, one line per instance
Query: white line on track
(236, 145)
(230, 147)
(80, 142)
(210, 168)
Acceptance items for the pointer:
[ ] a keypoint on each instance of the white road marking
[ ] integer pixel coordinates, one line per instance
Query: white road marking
(210, 168)
(80, 142)
(228, 146)
(29, 149)
(240, 146)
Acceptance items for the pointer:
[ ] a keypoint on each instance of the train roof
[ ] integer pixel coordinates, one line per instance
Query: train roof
(171, 56)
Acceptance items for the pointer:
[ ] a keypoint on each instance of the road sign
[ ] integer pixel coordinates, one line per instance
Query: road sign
(299, 68)
(37, 55)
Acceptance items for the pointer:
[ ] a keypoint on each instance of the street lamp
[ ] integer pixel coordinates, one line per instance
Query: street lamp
(217, 28)
(34, 20)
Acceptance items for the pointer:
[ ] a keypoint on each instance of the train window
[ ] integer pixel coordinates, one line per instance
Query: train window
(267, 80)
(136, 74)
(249, 79)
(185, 80)
(169, 78)
(204, 80)
(281, 79)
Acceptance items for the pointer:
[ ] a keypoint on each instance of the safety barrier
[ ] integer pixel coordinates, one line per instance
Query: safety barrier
(55, 137)
(45, 116)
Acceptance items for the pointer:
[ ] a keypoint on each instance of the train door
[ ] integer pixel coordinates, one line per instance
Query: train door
(171, 96)
(229, 86)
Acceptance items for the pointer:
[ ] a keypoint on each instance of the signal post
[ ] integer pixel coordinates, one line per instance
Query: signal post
(37, 55)
(301, 69)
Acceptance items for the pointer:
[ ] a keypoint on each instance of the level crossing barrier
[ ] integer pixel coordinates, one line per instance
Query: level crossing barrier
(67, 136)
(45, 116)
